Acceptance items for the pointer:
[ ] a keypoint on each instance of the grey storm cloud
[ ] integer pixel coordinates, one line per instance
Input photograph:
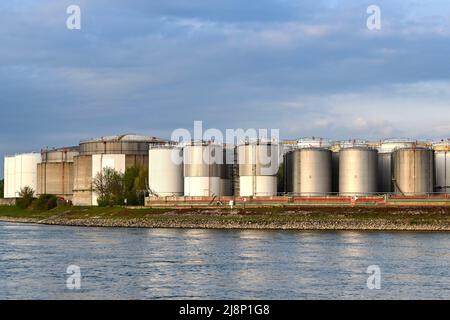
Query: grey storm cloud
(304, 67)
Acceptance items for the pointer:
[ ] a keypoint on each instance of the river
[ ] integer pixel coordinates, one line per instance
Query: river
(220, 264)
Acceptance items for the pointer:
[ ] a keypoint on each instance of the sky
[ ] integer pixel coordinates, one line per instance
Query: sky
(307, 68)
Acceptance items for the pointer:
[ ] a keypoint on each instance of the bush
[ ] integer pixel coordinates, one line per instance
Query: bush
(26, 196)
(45, 202)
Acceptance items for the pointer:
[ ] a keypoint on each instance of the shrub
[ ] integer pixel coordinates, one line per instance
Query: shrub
(26, 196)
(45, 202)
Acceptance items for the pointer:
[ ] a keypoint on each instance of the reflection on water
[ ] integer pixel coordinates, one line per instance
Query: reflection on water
(219, 264)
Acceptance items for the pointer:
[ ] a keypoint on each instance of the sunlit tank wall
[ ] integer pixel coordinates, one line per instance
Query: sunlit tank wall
(55, 172)
(413, 171)
(385, 184)
(203, 170)
(10, 177)
(308, 171)
(124, 151)
(258, 168)
(166, 171)
(357, 171)
(442, 167)
(20, 172)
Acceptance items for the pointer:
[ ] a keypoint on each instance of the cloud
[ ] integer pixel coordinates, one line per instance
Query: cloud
(305, 67)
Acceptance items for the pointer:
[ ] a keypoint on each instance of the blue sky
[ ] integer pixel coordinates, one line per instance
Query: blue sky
(308, 68)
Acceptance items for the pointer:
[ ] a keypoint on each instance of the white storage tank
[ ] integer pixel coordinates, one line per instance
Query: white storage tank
(165, 171)
(10, 177)
(20, 172)
(203, 169)
(258, 168)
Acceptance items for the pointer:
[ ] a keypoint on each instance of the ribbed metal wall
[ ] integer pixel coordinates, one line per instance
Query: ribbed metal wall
(413, 171)
(442, 167)
(308, 171)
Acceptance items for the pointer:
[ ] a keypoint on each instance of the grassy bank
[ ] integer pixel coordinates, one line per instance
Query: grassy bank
(301, 218)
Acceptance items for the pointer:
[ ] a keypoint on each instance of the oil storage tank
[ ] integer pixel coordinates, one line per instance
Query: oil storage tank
(258, 168)
(357, 171)
(20, 171)
(442, 167)
(55, 172)
(204, 170)
(413, 171)
(228, 170)
(387, 146)
(308, 171)
(165, 171)
(9, 175)
(116, 152)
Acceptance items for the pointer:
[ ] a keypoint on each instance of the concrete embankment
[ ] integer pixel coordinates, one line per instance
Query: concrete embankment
(313, 218)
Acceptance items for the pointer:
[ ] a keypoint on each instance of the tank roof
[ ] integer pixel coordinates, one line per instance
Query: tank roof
(125, 138)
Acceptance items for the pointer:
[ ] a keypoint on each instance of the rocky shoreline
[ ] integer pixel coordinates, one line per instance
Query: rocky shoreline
(310, 224)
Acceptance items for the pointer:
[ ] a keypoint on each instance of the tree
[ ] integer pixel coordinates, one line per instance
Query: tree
(135, 184)
(26, 196)
(2, 186)
(109, 187)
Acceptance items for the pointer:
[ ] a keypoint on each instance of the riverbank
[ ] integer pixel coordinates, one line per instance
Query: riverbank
(301, 218)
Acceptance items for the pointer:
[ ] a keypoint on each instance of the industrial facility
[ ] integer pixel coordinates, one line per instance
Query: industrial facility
(116, 152)
(55, 172)
(206, 172)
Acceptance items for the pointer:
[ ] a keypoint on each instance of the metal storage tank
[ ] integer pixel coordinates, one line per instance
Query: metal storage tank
(442, 167)
(55, 172)
(385, 184)
(20, 172)
(335, 171)
(258, 168)
(10, 177)
(203, 169)
(308, 171)
(413, 171)
(118, 152)
(357, 171)
(228, 171)
(165, 173)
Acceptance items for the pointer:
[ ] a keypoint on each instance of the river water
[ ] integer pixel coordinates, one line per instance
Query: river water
(220, 264)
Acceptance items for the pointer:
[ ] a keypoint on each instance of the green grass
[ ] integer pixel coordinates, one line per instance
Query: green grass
(261, 216)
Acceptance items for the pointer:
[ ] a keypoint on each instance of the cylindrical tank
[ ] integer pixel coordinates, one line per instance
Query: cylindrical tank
(227, 178)
(10, 177)
(335, 171)
(117, 152)
(20, 172)
(442, 167)
(413, 171)
(258, 168)
(385, 184)
(55, 172)
(308, 171)
(165, 173)
(357, 171)
(203, 170)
